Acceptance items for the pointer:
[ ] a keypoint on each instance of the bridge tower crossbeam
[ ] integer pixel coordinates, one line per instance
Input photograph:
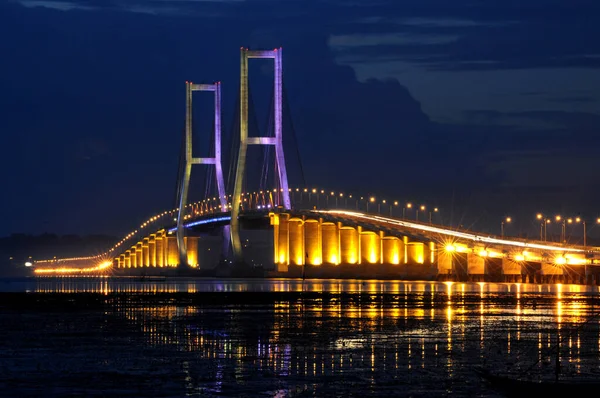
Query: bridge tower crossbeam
(191, 160)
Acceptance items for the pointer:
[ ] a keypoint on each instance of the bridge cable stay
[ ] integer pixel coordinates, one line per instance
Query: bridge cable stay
(264, 178)
(235, 144)
(180, 171)
(287, 110)
(254, 130)
(209, 183)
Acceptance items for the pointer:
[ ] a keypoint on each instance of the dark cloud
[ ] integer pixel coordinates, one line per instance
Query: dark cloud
(92, 103)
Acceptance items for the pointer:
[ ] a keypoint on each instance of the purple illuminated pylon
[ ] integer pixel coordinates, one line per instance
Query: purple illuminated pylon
(276, 55)
(190, 160)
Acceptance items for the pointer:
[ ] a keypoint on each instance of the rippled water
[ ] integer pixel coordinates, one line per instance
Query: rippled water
(122, 337)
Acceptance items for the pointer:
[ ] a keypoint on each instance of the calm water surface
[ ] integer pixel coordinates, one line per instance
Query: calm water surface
(280, 338)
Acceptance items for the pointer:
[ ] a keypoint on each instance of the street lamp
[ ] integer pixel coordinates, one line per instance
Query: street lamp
(508, 220)
(379, 206)
(395, 204)
(544, 221)
(422, 208)
(563, 228)
(372, 200)
(408, 206)
(579, 220)
(435, 210)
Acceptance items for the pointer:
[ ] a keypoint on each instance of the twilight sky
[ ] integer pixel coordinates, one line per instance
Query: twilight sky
(484, 109)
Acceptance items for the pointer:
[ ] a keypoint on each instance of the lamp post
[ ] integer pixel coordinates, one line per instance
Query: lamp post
(563, 227)
(435, 210)
(508, 220)
(580, 220)
(372, 200)
(379, 206)
(544, 221)
(408, 206)
(422, 208)
(391, 212)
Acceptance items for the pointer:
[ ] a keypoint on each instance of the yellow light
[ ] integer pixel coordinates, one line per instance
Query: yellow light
(483, 253)
(435, 209)
(422, 207)
(570, 220)
(577, 219)
(557, 218)
(519, 257)
(372, 257)
(396, 203)
(372, 199)
(450, 248)
(333, 259)
(409, 206)
(560, 260)
(508, 219)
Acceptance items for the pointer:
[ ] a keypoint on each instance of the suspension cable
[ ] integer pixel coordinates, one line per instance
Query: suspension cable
(293, 132)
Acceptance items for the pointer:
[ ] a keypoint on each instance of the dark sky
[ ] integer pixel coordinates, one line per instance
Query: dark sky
(484, 109)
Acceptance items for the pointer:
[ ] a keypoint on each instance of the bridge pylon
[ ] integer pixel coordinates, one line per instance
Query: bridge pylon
(191, 160)
(276, 141)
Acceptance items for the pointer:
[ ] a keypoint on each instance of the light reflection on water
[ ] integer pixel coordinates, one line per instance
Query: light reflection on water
(374, 338)
(184, 285)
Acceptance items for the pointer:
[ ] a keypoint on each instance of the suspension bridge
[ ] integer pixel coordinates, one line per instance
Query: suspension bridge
(312, 232)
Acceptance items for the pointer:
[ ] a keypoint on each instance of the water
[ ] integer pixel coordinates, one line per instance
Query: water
(280, 338)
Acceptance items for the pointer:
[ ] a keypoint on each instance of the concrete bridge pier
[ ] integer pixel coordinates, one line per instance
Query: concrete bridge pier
(445, 266)
(475, 268)
(454, 267)
(592, 275)
(551, 273)
(511, 271)
(460, 267)
(531, 272)
(574, 274)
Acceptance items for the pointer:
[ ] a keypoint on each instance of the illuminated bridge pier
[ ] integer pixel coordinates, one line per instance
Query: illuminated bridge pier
(322, 247)
(460, 262)
(158, 250)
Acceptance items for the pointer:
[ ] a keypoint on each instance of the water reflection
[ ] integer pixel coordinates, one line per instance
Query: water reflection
(184, 285)
(372, 337)
(429, 338)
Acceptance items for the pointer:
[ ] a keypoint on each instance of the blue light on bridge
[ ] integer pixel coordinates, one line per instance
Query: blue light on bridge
(207, 221)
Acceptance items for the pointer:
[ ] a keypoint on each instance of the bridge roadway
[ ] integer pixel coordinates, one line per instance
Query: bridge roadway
(458, 254)
(451, 236)
(418, 250)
